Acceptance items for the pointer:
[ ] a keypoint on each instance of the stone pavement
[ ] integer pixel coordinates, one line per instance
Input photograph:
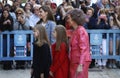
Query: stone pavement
(104, 73)
(93, 73)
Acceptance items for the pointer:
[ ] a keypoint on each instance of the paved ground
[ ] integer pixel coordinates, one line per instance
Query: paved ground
(105, 73)
(93, 73)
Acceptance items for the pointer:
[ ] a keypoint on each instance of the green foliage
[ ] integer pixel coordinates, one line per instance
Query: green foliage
(24, 1)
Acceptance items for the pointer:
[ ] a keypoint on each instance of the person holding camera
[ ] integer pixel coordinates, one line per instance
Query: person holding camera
(115, 25)
(102, 23)
(102, 20)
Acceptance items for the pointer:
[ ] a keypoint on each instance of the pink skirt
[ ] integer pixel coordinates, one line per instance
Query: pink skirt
(83, 74)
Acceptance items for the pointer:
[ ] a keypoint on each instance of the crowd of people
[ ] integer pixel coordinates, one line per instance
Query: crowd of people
(50, 22)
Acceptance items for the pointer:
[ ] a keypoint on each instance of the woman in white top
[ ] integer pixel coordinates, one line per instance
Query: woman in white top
(47, 20)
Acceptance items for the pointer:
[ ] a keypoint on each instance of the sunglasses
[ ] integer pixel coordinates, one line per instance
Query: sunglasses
(19, 13)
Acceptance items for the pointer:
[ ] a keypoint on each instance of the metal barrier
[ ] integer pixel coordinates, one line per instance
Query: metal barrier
(16, 41)
(97, 40)
(13, 45)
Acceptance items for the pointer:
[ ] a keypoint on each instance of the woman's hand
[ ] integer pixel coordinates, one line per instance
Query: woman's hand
(31, 72)
(79, 68)
(51, 73)
(5, 22)
(9, 21)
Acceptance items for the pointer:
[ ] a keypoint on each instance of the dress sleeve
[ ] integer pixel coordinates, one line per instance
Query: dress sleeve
(83, 42)
(58, 58)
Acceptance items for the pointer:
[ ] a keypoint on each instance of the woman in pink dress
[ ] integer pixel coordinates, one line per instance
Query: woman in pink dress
(80, 58)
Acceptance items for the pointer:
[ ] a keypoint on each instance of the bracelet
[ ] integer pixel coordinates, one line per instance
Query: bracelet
(81, 64)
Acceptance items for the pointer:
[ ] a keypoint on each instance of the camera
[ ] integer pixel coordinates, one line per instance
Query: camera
(102, 16)
(112, 14)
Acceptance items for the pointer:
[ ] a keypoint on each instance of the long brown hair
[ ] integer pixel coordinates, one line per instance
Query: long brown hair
(61, 37)
(118, 8)
(42, 37)
(49, 15)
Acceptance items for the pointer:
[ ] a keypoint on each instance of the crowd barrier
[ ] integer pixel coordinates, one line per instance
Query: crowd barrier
(14, 45)
(100, 44)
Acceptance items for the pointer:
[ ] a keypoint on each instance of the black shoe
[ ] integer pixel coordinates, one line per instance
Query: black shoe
(22, 67)
(114, 66)
(7, 68)
(17, 67)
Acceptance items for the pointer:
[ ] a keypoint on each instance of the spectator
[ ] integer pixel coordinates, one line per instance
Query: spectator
(8, 7)
(33, 2)
(91, 24)
(6, 21)
(21, 23)
(47, 20)
(115, 24)
(102, 23)
(35, 17)
(28, 10)
(1, 7)
(48, 3)
(6, 24)
(117, 11)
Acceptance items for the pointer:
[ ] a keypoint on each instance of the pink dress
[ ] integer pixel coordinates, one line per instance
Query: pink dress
(79, 53)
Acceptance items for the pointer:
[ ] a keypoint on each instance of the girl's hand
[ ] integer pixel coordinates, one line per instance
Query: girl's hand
(51, 73)
(42, 75)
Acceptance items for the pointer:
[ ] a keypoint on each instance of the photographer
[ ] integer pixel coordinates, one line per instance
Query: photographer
(114, 21)
(102, 23)
(117, 11)
(115, 25)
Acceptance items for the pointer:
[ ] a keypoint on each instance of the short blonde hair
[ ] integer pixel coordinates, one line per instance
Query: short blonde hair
(19, 10)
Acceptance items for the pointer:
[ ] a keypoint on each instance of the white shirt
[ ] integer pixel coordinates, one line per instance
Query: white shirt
(33, 20)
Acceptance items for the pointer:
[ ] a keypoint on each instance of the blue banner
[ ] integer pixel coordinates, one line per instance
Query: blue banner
(0, 46)
(20, 40)
(95, 39)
